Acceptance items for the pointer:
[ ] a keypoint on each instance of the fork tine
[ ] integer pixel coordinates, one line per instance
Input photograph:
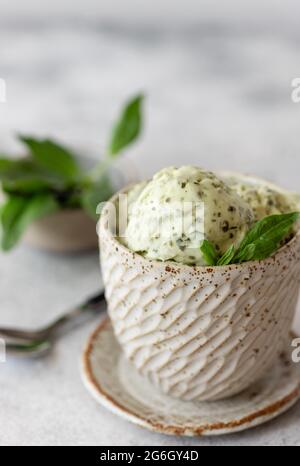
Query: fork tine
(20, 334)
(28, 349)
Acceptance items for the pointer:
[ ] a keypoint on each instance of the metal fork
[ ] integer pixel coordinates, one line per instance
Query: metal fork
(37, 342)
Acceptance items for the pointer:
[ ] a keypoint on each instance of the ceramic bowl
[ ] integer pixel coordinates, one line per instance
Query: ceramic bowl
(68, 230)
(199, 333)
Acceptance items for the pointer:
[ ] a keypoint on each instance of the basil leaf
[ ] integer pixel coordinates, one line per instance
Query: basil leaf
(227, 256)
(53, 157)
(18, 212)
(5, 166)
(260, 242)
(128, 127)
(209, 252)
(246, 254)
(23, 176)
(99, 191)
(266, 225)
(265, 236)
(25, 186)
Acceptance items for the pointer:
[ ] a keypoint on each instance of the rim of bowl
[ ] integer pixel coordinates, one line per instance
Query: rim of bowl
(199, 268)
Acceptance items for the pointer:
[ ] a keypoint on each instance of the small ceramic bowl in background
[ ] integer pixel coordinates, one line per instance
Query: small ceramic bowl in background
(72, 230)
(69, 230)
(199, 333)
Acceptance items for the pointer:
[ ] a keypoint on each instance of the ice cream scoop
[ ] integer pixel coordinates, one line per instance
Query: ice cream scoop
(170, 215)
(264, 199)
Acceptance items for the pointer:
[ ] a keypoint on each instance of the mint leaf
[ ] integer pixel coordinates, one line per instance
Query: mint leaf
(5, 165)
(24, 176)
(99, 191)
(18, 212)
(227, 256)
(260, 242)
(246, 254)
(128, 126)
(265, 226)
(53, 157)
(209, 252)
(265, 236)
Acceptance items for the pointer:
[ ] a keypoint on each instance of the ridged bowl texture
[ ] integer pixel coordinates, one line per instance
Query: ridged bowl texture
(199, 333)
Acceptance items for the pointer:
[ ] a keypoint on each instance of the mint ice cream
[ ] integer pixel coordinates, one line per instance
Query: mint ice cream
(212, 210)
(265, 199)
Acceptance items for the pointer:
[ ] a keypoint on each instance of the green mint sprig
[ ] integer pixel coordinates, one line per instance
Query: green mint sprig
(209, 252)
(260, 242)
(128, 126)
(126, 130)
(50, 178)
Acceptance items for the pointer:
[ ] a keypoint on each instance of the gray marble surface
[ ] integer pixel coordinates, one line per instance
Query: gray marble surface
(218, 95)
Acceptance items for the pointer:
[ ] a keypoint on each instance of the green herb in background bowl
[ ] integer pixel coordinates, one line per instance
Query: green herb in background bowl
(48, 189)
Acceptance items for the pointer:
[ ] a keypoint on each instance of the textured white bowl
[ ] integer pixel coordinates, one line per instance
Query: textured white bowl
(199, 333)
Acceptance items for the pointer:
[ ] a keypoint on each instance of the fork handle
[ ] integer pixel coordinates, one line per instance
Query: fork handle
(91, 304)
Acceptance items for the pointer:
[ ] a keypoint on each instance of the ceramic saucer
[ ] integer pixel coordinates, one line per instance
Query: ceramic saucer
(115, 384)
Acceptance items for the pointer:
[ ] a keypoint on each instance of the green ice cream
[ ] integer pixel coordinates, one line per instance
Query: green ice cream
(264, 199)
(212, 210)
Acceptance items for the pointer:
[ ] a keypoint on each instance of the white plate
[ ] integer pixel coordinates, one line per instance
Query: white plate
(115, 384)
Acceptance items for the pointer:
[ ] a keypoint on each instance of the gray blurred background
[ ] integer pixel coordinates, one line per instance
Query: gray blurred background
(218, 81)
(217, 77)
